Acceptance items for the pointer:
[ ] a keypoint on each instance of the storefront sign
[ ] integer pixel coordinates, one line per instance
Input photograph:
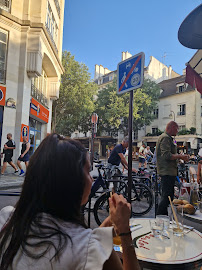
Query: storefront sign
(2, 95)
(24, 132)
(38, 110)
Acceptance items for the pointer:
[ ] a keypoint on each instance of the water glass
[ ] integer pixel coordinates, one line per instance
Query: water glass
(156, 227)
(166, 222)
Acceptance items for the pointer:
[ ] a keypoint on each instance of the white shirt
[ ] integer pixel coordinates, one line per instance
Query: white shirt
(90, 249)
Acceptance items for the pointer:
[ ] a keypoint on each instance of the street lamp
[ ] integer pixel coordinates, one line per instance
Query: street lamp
(170, 115)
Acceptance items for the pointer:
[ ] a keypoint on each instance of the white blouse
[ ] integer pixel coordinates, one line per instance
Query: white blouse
(88, 251)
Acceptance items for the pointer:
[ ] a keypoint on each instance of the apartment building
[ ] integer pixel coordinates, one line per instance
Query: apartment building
(31, 33)
(182, 103)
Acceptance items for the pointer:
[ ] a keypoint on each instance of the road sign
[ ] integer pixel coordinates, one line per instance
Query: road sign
(94, 118)
(130, 73)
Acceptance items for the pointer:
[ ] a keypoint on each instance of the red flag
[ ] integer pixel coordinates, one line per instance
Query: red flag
(193, 78)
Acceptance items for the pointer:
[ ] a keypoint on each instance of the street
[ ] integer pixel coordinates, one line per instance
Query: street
(11, 200)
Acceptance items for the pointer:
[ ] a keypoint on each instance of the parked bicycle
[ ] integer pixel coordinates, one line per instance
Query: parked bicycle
(141, 195)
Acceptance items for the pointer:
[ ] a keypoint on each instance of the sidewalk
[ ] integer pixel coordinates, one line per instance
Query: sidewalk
(10, 180)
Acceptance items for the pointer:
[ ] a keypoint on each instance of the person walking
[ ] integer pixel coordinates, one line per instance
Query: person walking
(24, 155)
(148, 154)
(166, 153)
(142, 159)
(9, 146)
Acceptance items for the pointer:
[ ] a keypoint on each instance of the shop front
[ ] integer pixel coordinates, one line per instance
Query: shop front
(39, 116)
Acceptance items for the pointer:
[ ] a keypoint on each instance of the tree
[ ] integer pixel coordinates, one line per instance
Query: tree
(113, 110)
(73, 110)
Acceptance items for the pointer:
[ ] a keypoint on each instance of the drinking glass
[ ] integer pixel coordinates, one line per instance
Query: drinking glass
(178, 229)
(156, 227)
(166, 223)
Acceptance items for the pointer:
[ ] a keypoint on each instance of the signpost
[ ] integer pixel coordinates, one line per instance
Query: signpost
(94, 120)
(130, 76)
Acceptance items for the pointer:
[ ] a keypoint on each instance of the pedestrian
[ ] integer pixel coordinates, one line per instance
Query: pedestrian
(166, 153)
(9, 146)
(148, 154)
(117, 155)
(142, 158)
(45, 231)
(24, 155)
(126, 157)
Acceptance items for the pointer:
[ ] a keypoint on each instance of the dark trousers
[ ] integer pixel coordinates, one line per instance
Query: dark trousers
(167, 183)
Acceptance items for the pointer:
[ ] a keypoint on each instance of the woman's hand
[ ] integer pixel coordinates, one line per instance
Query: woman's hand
(120, 211)
(107, 222)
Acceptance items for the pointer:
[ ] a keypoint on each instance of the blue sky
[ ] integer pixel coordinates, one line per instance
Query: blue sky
(96, 32)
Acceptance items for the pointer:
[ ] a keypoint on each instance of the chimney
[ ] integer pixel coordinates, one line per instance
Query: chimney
(101, 71)
(97, 72)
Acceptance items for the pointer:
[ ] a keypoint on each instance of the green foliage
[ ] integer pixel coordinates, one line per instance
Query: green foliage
(193, 130)
(76, 104)
(186, 131)
(113, 110)
(158, 133)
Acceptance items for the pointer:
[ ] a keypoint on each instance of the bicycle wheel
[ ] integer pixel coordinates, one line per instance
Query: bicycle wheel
(141, 199)
(101, 208)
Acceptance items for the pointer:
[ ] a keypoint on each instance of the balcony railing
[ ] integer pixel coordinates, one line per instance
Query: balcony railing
(6, 5)
(57, 7)
(36, 93)
(51, 37)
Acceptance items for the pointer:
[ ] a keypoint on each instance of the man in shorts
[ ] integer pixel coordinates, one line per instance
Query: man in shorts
(9, 146)
(117, 155)
(142, 158)
(24, 155)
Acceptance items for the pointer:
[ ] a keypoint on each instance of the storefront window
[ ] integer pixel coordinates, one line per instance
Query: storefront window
(34, 134)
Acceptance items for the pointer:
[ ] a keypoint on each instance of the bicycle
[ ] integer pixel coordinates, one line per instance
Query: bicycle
(141, 200)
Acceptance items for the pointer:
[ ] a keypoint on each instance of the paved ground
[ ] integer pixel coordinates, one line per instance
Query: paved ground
(13, 182)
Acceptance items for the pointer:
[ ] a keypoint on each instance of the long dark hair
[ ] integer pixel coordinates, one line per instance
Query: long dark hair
(54, 184)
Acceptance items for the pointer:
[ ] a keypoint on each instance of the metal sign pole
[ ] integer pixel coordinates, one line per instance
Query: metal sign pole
(92, 146)
(130, 128)
(156, 192)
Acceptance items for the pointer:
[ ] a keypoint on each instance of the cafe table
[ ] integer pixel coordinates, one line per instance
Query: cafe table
(184, 252)
(193, 220)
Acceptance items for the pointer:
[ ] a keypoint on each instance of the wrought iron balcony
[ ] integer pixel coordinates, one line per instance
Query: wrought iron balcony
(36, 93)
(6, 5)
(51, 37)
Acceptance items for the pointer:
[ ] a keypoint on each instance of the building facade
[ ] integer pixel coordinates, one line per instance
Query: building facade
(31, 33)
(182, 103)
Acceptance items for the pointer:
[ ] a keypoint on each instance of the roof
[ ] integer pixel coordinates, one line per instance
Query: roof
(169, 86)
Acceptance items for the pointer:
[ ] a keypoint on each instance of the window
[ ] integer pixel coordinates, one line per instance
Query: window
(181, 127)
(41, 83)
(156, 113)
(154, 130)
(51, 25)
(181, 109)
(135, 134)
(39, 88)
(110, 77)
(201, 110)
(181, 88)
(3, 54)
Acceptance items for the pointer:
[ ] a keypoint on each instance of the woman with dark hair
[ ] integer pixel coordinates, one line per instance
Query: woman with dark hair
(46, 231)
